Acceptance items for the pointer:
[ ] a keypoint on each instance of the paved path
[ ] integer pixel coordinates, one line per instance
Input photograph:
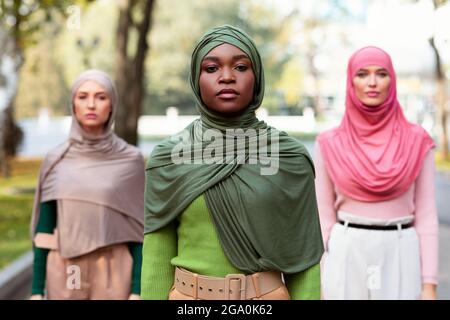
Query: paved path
(443, 197)
(443, 205)
(444, 262)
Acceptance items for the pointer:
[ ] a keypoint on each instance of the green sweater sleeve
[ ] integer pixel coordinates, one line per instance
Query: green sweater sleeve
(136, 252)
(157, 271)
(304, 285)
(46, 224)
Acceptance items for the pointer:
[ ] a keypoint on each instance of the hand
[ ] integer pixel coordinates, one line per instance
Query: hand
(37, 297)
(134, 296)
(429, 291)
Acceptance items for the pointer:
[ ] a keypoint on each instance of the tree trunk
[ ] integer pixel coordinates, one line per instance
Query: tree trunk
(441, 101)
(130, 69)
(317, 107)
(443, 117)
(12, 138)
(10, 133)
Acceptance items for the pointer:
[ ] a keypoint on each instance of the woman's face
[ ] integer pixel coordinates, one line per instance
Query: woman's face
(92, 107)
(226, 79)
(371, 85)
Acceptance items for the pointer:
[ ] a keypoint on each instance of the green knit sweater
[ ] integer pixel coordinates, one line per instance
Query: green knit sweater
(192, 243)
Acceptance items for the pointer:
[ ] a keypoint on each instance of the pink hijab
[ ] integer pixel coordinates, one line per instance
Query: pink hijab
(375, 154)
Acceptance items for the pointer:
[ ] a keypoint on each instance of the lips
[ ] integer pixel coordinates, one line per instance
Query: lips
(91, 116)
(372, 94)
(227, 93)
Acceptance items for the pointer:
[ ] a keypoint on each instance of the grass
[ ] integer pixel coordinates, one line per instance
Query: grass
(16, 203)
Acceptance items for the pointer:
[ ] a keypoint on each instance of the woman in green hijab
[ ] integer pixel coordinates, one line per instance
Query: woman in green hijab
(230, 206)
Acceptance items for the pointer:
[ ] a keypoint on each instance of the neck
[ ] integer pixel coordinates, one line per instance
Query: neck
(95, 131)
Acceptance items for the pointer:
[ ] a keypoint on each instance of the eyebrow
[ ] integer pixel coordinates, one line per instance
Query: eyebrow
(381, 69)
(216, 59)
(86, 92)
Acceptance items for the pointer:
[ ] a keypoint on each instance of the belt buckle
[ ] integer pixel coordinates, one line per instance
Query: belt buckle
(242, 285)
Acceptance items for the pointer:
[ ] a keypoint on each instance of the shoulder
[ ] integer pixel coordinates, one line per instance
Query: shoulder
(56, 153)
(124, 149)
(53, 156)
(134, 152)
(421, 136)
(166, 146)
(294, 146)
(327, 135)
(418, 130)
(162, 150)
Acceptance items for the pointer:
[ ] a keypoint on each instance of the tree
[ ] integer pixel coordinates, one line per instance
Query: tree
(175, 33)
(21, 19)
(10, 134)
(320, 19)
(135, 17)
(441, 92)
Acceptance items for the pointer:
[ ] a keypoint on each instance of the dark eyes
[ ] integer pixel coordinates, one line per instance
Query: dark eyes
(85, 97)
(211, 69)
(365, 74)
(239, 67)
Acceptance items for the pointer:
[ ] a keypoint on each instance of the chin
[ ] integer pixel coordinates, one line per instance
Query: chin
(229, 108)
(230, 111)
(92, 124)
(372, 103)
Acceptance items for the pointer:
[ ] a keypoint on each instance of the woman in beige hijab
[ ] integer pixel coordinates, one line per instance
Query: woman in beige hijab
(87, 222)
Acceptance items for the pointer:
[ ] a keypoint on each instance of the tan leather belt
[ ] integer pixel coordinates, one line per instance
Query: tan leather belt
(232, 287)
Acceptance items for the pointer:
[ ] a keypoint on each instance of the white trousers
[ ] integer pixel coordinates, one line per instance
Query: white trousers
(371, 264)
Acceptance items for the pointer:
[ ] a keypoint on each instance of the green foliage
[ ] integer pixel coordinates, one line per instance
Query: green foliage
(16, 202)
(290, 82)
(52, 64)
(175, 33)
(439, 3)
(56, 59)
(34, 24)
(23, 18)
(441, 163)
(15, 215)
(50, 91)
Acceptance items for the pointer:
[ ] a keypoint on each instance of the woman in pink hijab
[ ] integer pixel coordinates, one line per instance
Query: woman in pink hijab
(375, 192)
(87, 222)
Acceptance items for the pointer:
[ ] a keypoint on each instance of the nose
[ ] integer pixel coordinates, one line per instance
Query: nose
(91, 103)
(227, 76)
(372, 80)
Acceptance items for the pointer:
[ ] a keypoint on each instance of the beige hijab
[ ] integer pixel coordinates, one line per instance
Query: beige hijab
(97, 181)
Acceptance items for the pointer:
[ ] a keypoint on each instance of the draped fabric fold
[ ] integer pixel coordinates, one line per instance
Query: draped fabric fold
(101, 175)
(265, 220)
(375, 154)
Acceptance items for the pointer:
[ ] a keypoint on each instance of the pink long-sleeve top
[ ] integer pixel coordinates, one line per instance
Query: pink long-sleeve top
(419, 201)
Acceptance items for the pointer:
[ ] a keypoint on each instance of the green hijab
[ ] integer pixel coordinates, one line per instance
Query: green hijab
(265, 220)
